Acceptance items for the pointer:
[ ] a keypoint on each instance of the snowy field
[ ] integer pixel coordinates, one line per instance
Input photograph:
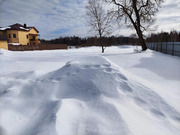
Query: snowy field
(84, 92)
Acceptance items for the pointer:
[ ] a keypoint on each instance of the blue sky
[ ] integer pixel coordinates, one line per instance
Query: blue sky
(55, 18)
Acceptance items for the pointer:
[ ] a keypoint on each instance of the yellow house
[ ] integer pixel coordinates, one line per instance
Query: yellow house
(21, 34)
(3, 42)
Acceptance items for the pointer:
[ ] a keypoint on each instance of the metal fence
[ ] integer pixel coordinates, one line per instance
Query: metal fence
(172, 48)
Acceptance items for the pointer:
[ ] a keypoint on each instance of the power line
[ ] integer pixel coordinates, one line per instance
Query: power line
(2, 2)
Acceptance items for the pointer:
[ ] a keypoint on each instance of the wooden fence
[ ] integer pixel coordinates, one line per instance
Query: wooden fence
(36, 47)
(172, 48)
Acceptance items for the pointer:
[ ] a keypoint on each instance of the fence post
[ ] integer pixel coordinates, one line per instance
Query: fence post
(173, 48)
(153, 46)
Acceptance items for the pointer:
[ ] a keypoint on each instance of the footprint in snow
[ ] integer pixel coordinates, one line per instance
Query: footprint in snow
(96, 66)
(86, 66)
(120, 77)
(108, 70)
(56, 79)
(106, 65)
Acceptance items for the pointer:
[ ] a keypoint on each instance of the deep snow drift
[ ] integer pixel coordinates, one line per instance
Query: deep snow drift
(89, 95)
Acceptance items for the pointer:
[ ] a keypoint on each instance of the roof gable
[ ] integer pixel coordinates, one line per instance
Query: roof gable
(33, 28)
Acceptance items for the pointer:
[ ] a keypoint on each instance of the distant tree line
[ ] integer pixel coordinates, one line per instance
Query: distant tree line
(65, 40)
(172, 36)
(90, 41)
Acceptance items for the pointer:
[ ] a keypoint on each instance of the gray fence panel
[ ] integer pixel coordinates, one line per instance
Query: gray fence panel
(172, 48)
(177, 47)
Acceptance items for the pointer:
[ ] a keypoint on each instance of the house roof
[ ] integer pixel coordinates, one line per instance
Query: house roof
(3, 38)
(18, 26)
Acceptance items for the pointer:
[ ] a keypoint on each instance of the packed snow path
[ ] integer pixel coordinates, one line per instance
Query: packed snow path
(88, 96)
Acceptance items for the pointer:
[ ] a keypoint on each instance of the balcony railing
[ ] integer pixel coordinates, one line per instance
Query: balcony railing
(34, 39)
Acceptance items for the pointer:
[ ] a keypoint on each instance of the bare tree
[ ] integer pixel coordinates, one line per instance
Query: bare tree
(98, 20)
(173, 36)
(137, 14)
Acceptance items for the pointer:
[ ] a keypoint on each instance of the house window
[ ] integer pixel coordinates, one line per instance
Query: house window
(27, 36)
(14, 35)
(9, 35)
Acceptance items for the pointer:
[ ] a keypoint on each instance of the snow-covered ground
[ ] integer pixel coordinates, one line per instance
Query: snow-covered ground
(84, 92)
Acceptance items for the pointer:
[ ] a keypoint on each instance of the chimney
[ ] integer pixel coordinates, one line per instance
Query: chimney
(24, 25)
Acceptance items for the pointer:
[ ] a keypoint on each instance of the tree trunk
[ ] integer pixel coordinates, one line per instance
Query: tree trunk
(100, 41)
(138, 26)
(143, 44)
(102, 49)
(141, 40)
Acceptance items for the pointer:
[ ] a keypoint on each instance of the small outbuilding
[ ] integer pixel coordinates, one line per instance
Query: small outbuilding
(3, 42)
